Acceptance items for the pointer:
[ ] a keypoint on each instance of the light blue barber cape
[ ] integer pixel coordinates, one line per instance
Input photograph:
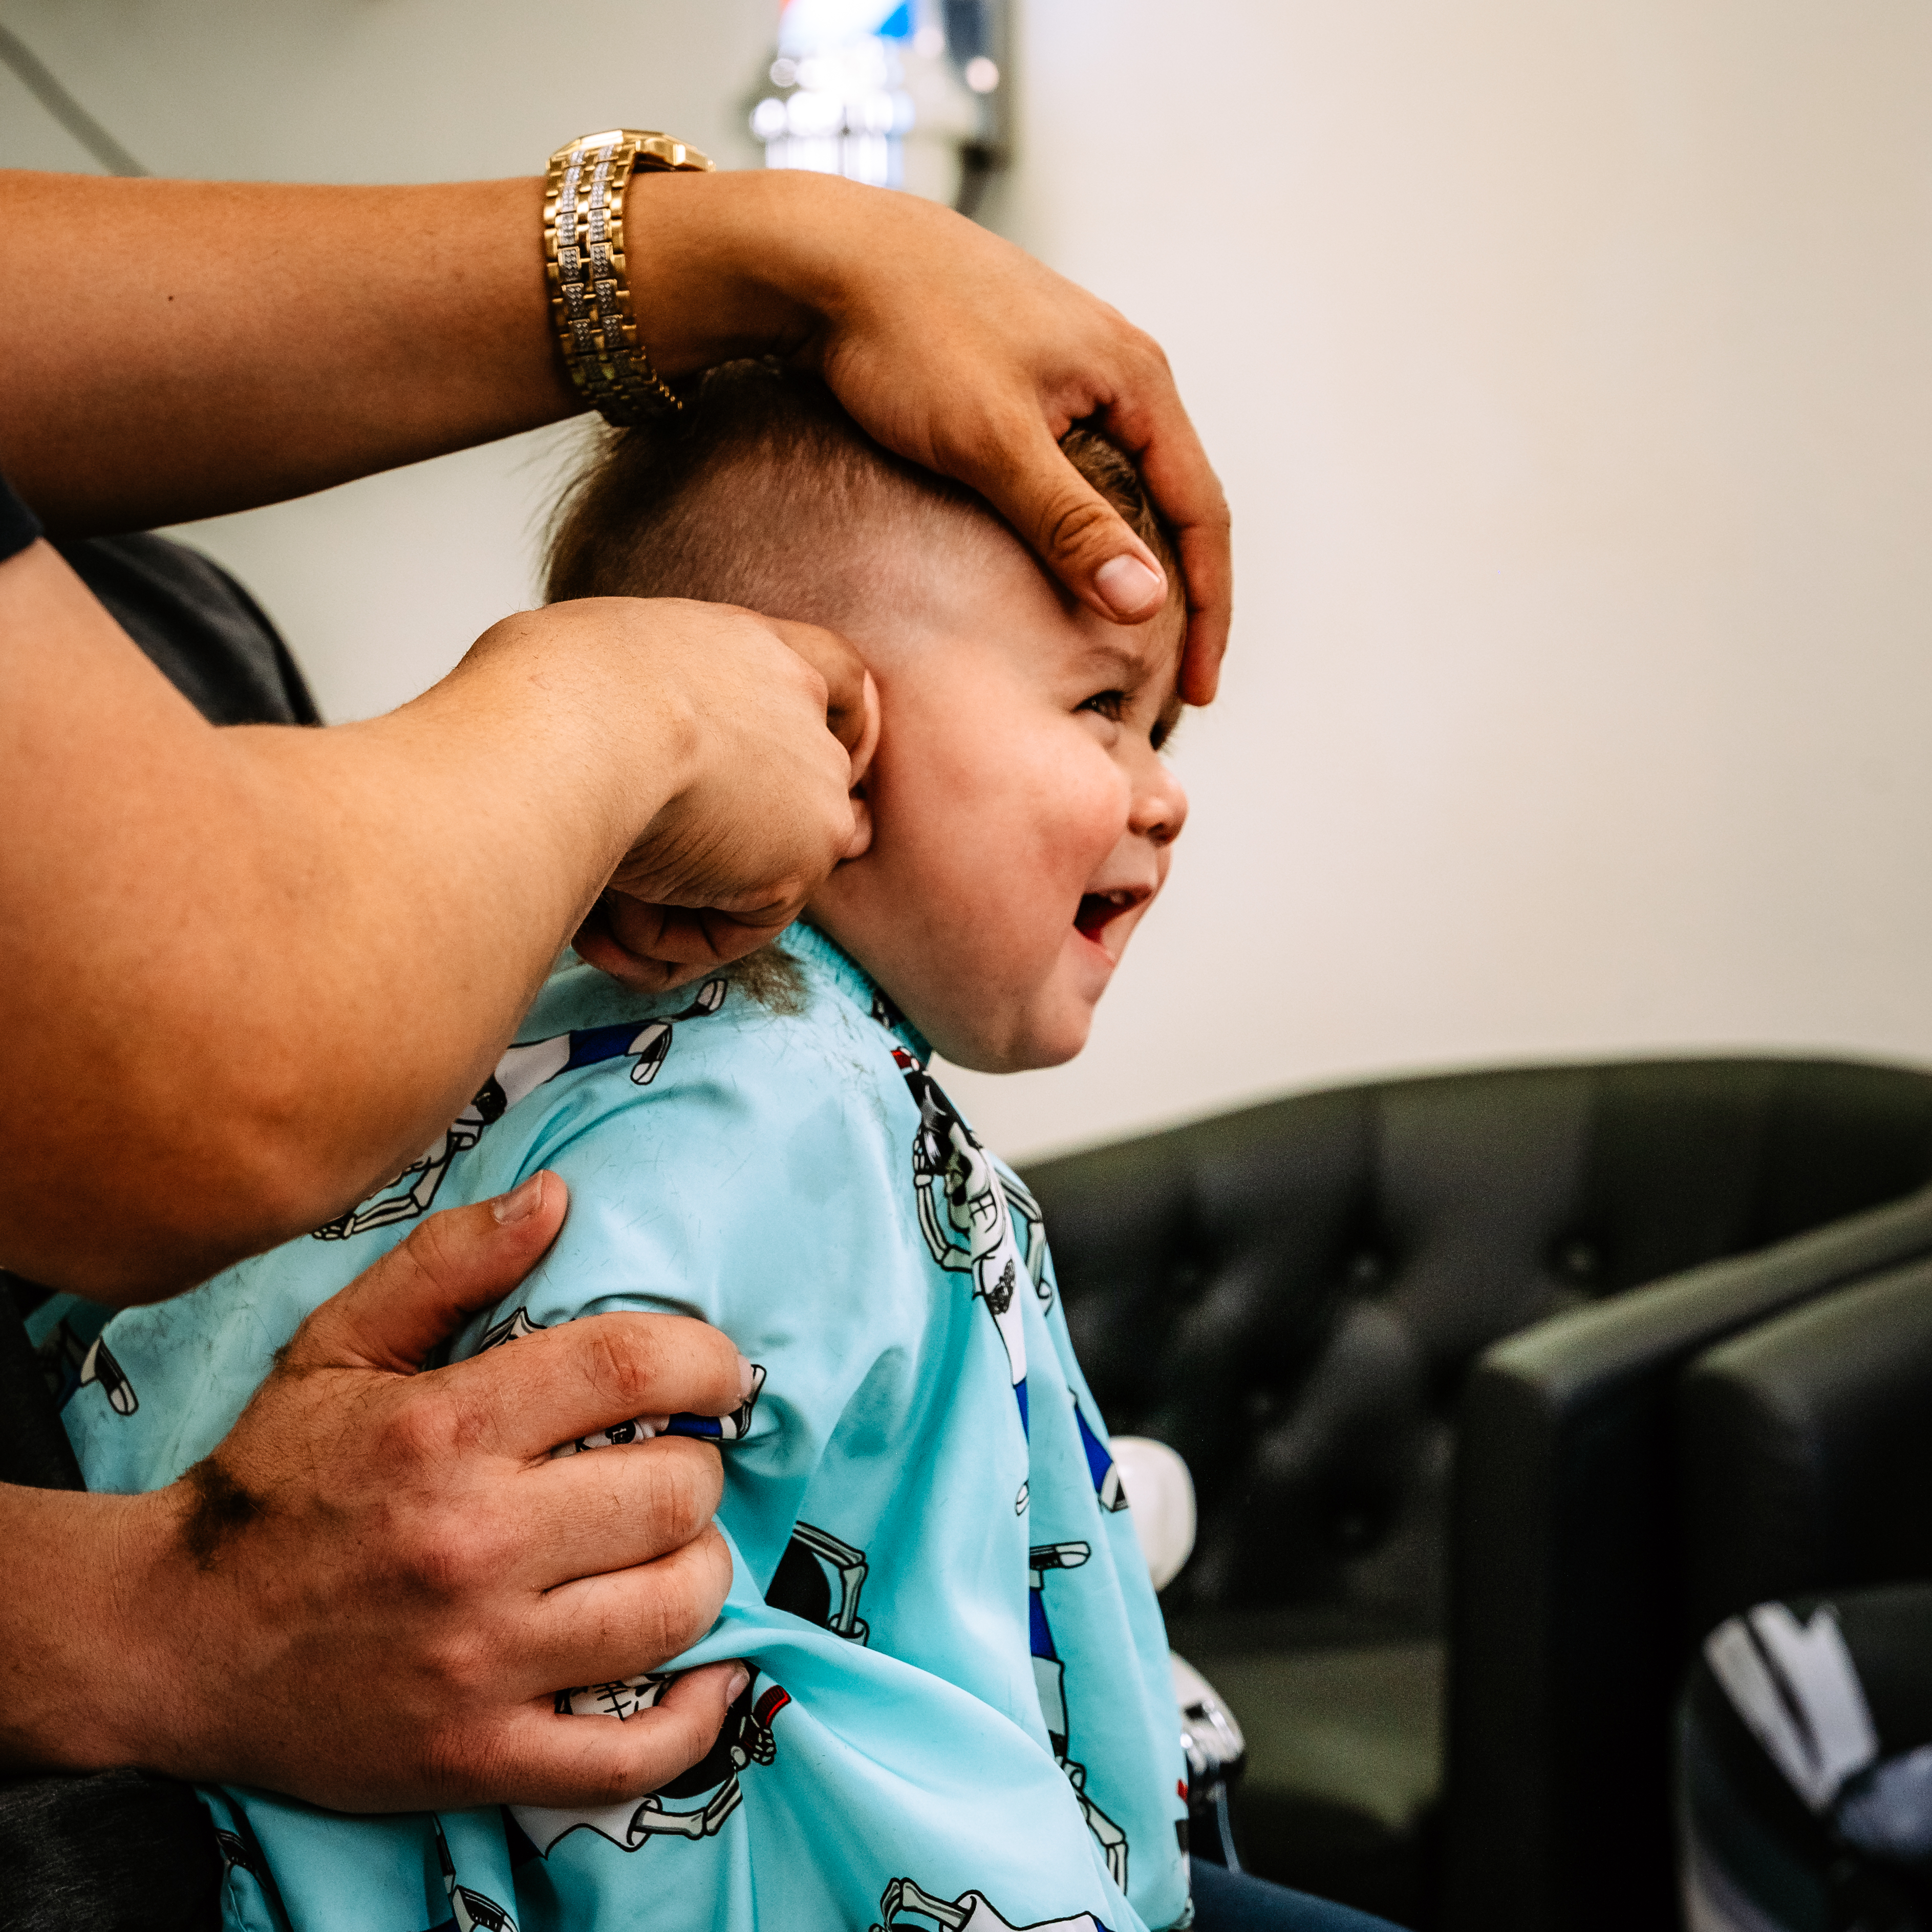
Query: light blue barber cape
(961, 1714)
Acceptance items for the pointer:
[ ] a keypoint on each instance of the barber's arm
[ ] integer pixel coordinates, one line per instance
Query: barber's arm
(177, 348)
(246, 974)
(369, 1595)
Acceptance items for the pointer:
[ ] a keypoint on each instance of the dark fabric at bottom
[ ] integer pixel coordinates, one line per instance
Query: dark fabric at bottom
(1225, 1901)
(118, 1852)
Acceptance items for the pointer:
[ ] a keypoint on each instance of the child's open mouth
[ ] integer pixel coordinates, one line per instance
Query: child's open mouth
(1098, 911)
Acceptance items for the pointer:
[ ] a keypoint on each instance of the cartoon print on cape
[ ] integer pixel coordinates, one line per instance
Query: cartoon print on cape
(967, 1215)
(520, 1072)
(819, 1578)
(1100, 1463)
(968, 1913)
(68, 1363)
(472, 1912)
(963, 1213)
(746, 1739)
(1049, 1677)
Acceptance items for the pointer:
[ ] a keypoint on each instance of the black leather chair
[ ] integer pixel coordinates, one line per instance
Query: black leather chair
(1294, 1296)
(1568, 1624)
(1806, 1444)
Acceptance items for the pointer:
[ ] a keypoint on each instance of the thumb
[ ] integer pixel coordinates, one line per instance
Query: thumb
(465, 1259)
(1075, 531)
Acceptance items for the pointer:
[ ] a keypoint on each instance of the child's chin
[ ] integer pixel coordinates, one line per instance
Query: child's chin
(1049, 1038)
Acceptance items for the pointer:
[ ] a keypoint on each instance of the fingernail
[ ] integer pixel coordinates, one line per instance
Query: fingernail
(520, 1203)
(1126, 585)
(748, 1379)
(735, 1689)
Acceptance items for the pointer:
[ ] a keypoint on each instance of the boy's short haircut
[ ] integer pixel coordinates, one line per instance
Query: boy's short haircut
(754, 493)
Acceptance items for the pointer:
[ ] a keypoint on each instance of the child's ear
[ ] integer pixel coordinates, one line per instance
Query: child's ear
(862, 825)
(869, 738)
(862, 766)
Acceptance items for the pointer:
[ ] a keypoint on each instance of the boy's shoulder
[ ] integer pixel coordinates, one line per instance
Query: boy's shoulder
(769, 1039)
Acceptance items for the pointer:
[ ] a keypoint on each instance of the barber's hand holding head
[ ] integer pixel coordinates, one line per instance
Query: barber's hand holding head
(788, 718)
(368, 1596)
(957, 350)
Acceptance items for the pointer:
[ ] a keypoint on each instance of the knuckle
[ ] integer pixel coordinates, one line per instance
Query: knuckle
(617, 1362)
(462, 1666)
(420, 1429)
(440, 1560)
(1073, 522)
(428, 1247)
(700, 1471)
(682, 1499)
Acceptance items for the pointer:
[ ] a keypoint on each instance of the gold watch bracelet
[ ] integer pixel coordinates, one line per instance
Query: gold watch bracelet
(589, 274)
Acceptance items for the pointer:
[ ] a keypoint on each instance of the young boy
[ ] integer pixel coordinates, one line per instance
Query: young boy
(960, 1713)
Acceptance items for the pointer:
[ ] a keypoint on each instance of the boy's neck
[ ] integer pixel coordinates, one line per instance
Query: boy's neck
(807, 943)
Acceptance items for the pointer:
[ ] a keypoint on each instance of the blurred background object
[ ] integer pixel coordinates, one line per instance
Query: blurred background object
(1418, 1341)
(906, 94)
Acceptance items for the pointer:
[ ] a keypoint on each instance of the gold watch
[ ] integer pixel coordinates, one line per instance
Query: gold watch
(584, 264)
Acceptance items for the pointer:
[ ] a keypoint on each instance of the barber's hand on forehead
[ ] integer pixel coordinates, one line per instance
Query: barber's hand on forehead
(789, 718)
(960, 351)
(955, 348)
(369, 1595)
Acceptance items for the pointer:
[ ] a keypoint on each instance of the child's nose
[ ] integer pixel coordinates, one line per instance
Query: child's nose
(1160, 805)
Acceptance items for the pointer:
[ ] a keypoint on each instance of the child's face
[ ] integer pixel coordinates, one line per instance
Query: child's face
(1023, 818)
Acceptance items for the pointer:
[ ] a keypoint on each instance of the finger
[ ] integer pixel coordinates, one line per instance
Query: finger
(1146, 417)
(602, 1628)
(564, 1762)
(610, 1509)
(844, 671)
(662, 946)
(1206, 560)
(593, 942)
(1074, 530)
(581, 1376)
(453, 1265)
(695, 935)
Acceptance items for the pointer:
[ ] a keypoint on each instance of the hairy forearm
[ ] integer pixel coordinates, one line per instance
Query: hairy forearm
(67, 1627)
(243, 973)
(263, 341)
(176, 349)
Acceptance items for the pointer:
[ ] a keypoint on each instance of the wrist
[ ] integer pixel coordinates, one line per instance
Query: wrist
(87, 1685)
(730, 264)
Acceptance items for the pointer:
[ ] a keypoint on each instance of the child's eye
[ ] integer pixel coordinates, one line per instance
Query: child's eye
(1162, 735)
(1108, 704)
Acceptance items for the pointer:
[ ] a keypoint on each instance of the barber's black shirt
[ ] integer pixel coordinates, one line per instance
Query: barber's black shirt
(201, 628)
(19, 526)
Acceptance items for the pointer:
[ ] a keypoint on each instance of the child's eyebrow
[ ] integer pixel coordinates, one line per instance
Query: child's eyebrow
(1104, 657)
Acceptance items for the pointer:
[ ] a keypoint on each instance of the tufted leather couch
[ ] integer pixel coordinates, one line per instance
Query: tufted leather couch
(1294, 1296)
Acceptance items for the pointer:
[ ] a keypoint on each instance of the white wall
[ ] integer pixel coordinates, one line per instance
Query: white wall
(1568, 368)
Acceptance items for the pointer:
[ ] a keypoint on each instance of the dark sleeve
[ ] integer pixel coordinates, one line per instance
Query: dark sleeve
(19, 526)
(211, 639)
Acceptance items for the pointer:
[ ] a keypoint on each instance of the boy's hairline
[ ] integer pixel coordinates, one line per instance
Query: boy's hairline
(655, 514)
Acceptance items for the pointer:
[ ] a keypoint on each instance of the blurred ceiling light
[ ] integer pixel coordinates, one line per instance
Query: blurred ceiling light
(902, 94)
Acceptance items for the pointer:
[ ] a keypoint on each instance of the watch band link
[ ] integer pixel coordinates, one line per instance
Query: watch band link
(588, 274)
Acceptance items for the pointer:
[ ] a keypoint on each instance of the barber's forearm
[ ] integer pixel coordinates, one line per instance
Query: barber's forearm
(216, 346)
(246, 974)
(176, 349)
(66, 1626)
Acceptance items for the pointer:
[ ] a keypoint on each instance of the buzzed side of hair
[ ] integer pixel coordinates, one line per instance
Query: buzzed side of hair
(762, 492)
